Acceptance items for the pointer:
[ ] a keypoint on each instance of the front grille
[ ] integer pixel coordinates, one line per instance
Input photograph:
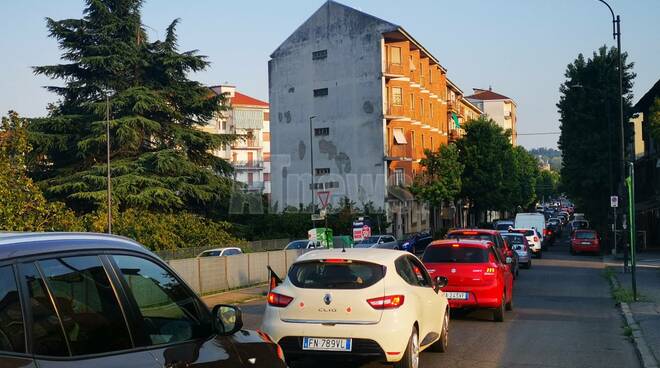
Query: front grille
(292, 345)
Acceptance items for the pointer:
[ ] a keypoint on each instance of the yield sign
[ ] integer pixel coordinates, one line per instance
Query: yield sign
(323, 198)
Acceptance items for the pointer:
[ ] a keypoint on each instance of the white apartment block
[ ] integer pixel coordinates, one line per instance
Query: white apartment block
(501, 109)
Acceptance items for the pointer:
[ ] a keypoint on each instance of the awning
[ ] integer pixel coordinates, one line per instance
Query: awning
(248, 119)
(399, 138)
(402, 194)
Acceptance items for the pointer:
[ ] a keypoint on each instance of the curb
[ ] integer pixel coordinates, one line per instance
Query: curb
(643, 349)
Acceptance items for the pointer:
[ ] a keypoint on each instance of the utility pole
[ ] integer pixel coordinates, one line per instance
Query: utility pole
(631, 212)
(107, 146)
(311, 165)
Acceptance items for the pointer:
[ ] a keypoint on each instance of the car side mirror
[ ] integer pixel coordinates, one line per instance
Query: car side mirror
(509, 260)
(227, 319)
(440, 282)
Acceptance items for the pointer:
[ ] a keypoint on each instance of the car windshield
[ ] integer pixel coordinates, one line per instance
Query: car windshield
(472, 236)
(335, 275)
(451, 254)
(301, 244)
(369, 240)
(585, 235)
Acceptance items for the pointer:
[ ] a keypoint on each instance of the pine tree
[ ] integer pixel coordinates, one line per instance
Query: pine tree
(160, 160)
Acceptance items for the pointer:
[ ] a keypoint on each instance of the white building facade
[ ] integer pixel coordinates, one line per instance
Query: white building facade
(500, 108)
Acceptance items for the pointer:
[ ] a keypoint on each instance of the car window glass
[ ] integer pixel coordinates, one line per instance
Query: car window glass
(422, 277)
(47, 335)
(169, 311)
(12, 334)
(87, 305)
(405, 270)
(335, 275)
(495, 254)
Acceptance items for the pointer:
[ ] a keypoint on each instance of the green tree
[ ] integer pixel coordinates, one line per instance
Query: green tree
(588, 108)
(654, 119)
(547, 184)
(161, 161)
(22, 204)
(522, 175)
(485, 152)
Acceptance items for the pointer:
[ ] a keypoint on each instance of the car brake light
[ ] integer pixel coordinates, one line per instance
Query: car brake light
(278, 300)
(336, 260)
(455, 245)
(470, 233)
(386, 302)
(536, 238)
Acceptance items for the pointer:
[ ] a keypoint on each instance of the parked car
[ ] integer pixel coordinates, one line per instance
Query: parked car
(221, 252)
(493, 236)
(477, 275)
(503, 225)
(378, 241)
(371, 304)
(533, 240)
(533, 221)
(303, 244)
(585, 241)
(95, 300)
(416, 243)
(520, 245)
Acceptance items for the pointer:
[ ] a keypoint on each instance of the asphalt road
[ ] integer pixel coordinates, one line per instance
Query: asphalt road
(563, 317)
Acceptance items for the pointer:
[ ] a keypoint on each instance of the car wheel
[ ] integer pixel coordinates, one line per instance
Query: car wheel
(411, 356)
(442, 345)
(498, 314)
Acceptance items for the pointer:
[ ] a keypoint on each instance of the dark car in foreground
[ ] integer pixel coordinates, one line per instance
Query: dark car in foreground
(92, 300)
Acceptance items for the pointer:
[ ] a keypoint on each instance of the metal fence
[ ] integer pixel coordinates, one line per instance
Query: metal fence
(247, 247)
(207, 275)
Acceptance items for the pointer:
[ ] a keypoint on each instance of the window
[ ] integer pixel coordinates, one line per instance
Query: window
(462, 254)
(224, 125)
(423, 146)
(320, 92)
(412, 102)
(322, 171)
(321, 275)
(421, 275)
(266, 176)
(397, 96)
(86, 303)
(321, 131)
(395, 55)
(266, 116)
(319, 55)
(431, 143)
(250, 178)
(405, 270)
(331, 185)
(412, 139)
(170, 312)
(47, 334)
(399, 177)
(399, 137)
(421, 108)
(266, 156)
(266, 136)
(12, 333)
(431, 109)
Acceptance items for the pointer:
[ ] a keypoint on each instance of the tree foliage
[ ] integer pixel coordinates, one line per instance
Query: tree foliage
(161, 161)
(522, 177)
(440, 179)
(590, 132)
(547, 184)
(22, 204)
(654, 119)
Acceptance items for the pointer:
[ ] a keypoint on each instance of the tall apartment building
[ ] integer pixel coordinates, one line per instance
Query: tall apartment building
(247, 117)
(498, 107)
(365, 99)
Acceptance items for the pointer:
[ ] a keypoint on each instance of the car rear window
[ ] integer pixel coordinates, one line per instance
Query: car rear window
(502, 226)
(449, 254)
(321, 274)
(514, 239)
(471, 236)
(585, 235)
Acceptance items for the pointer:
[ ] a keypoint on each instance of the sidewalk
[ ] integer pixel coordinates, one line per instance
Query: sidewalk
(646, 312)
(237, 296)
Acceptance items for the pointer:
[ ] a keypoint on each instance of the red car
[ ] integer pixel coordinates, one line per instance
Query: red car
(477, 275)
(585, 241)
(493, 236)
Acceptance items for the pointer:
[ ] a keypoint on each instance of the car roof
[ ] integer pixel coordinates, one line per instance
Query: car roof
(513, 234)
(220, 249)
(480, 231)
(472, 242)
(14, 245)
(380, 256)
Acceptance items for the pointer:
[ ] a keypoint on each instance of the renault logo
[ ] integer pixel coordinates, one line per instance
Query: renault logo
(327, 299)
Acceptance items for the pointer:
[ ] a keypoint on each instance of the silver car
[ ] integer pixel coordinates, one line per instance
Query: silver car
(378, 241)
(520, 245)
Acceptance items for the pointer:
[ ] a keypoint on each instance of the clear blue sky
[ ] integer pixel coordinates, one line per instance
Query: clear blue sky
(519, 47)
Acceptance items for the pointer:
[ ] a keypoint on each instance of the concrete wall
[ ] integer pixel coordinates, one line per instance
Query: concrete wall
(353, 108)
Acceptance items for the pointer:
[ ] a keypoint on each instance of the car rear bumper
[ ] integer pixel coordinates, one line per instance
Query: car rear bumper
(585, 248)
(362, 349)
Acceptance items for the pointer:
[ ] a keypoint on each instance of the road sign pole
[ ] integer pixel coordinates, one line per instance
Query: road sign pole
(631, 214)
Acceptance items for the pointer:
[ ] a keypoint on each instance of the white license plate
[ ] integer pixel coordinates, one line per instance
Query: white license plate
(456, 295)
(327, 344)
(585, 243)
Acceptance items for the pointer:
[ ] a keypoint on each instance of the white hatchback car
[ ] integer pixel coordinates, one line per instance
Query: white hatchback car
(358, 304)
(534, 240)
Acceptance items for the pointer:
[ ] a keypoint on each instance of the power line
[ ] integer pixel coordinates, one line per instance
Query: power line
(544, 133)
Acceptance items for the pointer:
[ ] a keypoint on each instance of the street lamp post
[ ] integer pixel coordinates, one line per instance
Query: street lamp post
(311, 163)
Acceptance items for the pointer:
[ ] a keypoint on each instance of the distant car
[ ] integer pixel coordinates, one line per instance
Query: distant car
(416, 243)
(303, 244)
(579, 216)
(358, 304)
(533, 240)
(97, 300)
(378, 241)
(493, 236)
(585, 241)
(221, 252)
(503, 225)
(477, 277)
(520, 245)
(578, 225)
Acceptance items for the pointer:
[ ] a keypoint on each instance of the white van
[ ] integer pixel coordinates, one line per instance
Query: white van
(532, 220)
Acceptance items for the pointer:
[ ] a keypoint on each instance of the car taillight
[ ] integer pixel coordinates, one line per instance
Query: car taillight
(278, 300)
(536, 238)
(386, 302)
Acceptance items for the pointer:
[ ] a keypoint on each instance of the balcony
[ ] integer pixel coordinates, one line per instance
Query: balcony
(399, 152)
(396, 112)
(394, 71)
(255, 186)
(456, 134)
(250, 143)
(452, 106)
(248, 165)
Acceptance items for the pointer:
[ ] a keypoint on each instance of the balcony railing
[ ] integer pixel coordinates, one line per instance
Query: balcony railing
(254, 164)
(400, 152)
(247, 143)
(394, 69)
(452, 105)
(255, 186)
(395, 110)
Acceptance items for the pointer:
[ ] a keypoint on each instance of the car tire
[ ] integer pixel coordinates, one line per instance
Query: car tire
(442, 345)
(410, 358)
(498, 313)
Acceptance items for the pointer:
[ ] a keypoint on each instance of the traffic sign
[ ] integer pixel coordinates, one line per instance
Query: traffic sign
(366, 231)
(318, 216)
(614, 201)
(323, 198)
